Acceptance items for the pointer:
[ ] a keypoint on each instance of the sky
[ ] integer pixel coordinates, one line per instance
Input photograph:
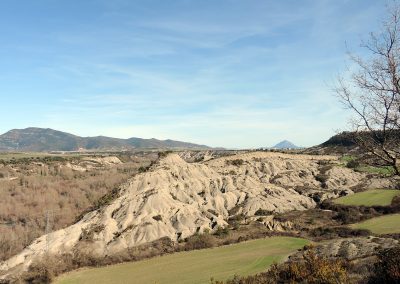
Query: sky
(227, 73)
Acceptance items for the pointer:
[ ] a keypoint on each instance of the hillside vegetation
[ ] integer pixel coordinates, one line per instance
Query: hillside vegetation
(40, 193)
(39, 139)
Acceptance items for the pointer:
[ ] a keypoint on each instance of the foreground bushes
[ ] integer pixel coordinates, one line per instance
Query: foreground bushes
(337, 232)
(314, 269)
(387, 268)
(311, 269)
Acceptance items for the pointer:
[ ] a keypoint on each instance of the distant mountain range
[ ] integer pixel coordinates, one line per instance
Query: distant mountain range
(285, 144)
(43, 140)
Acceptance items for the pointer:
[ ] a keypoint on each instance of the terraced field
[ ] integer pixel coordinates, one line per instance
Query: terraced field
(195, 266)
(382, 197)
(387, 224)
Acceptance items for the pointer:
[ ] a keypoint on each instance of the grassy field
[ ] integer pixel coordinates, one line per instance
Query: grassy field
(195, 266)
(387, 224)
(369, 198)
(385, 170)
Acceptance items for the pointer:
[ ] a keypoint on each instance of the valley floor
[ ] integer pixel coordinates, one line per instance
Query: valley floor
(197, 266)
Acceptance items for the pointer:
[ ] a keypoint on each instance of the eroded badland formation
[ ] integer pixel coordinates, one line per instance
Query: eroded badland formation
(177, 199)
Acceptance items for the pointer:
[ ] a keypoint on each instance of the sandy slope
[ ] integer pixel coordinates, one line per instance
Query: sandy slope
(175, 199)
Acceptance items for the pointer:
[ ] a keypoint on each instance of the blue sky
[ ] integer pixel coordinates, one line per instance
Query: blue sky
(219, 72)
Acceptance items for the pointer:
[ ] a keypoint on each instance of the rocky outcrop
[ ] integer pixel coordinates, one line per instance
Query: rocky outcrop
(273, 224)
(351, 248)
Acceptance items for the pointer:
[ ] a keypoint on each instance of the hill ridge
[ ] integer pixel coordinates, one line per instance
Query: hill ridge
(37, 139)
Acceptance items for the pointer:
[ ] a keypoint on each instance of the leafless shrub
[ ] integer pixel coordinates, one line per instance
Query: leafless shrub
(44, 186)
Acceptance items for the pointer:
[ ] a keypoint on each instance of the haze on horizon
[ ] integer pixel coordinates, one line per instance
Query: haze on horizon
(236, 74)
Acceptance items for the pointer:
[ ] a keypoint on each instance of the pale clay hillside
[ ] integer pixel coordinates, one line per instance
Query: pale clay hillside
(176, 199)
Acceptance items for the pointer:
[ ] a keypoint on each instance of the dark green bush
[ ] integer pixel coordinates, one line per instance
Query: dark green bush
(335, 232)
(263, 212)
(311, 269)
(157, 218)
(221, 232)
(199, 241)
(387, 268)
(164, 154)
(236, 162)
(352, 164)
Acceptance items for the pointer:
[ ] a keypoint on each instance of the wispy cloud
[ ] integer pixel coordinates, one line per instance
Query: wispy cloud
(226, 73)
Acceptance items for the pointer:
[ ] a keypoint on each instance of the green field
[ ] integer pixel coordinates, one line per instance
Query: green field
(387, 224)
(371, 197)
(195, 266)
(385, 170)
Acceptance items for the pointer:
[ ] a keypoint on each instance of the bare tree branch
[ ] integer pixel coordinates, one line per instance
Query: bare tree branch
(373, 92)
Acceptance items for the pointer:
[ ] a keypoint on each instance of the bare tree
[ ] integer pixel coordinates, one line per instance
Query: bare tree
(372, 92)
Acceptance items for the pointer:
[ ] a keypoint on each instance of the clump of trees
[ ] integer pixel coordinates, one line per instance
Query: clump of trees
(49, 196)
(372, 92)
